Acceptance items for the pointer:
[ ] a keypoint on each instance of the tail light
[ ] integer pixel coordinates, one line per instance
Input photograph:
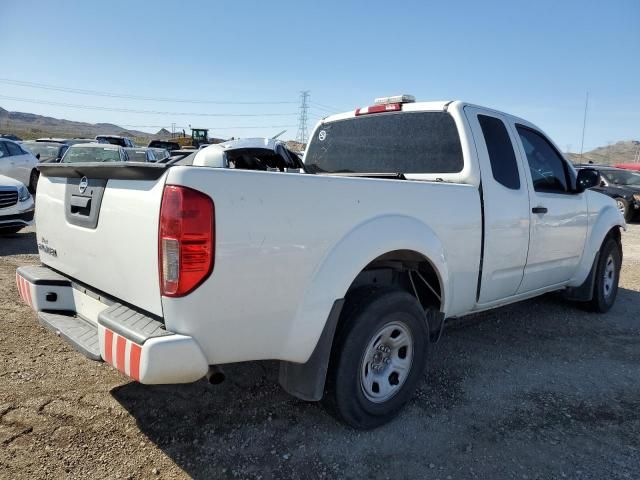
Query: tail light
(390, 107)
(186, 240)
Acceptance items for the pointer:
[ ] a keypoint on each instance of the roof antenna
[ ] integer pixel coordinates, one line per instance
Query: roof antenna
(277, 135)
(584, 125)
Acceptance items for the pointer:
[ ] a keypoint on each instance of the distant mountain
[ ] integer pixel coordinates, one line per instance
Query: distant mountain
(620, 152)
(29, 125)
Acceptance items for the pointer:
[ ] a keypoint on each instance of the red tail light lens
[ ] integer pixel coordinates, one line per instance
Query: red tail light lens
(186, 240)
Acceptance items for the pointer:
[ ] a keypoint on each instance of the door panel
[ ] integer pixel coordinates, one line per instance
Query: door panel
(506, 206)
(559, 217)
(6, 161)
(19, 163)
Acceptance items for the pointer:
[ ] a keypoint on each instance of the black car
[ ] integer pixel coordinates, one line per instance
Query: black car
(166, 144)
(621, 185)
(10, 136)
(140, 154)
(50, 152)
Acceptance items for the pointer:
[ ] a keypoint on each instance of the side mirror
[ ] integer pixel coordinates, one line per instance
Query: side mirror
(587, 178)
(38, 156)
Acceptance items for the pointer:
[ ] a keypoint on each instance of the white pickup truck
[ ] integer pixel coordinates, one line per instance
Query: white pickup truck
(406, 214)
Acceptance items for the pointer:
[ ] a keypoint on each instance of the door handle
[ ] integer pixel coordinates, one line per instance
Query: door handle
(539, 210)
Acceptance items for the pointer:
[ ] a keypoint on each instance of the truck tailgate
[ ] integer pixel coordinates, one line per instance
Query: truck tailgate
(103, 231)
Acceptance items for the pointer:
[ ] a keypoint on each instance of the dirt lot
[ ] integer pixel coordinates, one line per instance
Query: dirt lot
(535, 390)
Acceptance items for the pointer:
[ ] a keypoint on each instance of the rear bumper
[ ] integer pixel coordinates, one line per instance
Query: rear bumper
(134, 342)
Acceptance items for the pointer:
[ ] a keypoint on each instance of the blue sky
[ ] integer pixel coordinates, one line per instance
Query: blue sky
(533, 59)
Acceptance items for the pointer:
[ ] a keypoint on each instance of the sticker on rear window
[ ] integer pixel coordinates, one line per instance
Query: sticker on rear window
(322, 135)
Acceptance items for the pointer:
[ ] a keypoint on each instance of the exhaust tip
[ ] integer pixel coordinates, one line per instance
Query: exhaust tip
(215, 375)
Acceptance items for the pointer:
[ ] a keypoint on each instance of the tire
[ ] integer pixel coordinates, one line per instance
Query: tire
(378, 357)
(623, 207)
(605, 288)
(10, 231)
(33, 181)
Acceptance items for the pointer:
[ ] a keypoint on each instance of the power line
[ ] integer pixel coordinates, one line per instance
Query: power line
(210, 128)
(98, 93)
(302, 119)
(153, 112)
(328, 107)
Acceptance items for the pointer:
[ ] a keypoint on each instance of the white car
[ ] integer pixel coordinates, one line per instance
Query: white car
(18, 163)
(16, 206)
(406, 214)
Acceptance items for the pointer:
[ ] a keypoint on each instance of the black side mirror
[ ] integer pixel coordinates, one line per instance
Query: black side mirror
(38, 156)
(587, 178)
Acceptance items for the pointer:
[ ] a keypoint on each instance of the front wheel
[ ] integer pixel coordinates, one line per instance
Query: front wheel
(379, 356)
(624, 209)
(33, 181)
(607, 273)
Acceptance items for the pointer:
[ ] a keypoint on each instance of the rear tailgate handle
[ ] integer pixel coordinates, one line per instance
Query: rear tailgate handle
(80, 202)
(539, 210)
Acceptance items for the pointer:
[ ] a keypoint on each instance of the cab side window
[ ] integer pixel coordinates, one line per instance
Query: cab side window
(501, 155)
(548, 168)
(3, 150)
(13, 148)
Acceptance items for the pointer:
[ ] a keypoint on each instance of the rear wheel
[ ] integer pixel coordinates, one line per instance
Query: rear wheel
(379, 356)
(607, 273)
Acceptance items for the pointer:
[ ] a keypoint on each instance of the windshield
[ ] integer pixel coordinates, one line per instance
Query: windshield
(112, 140)
(47, 152)
(621, 177)
(409, 142)
(91, 154)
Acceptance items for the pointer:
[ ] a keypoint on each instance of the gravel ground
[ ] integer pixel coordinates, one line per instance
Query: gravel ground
(540, 389)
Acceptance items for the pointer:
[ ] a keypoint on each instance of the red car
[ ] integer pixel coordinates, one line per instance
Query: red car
(629, 166)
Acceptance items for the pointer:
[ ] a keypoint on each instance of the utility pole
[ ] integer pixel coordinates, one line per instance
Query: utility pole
(302, 119)
(584, 125)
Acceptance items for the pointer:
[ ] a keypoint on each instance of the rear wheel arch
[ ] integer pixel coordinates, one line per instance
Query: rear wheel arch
(34, 175)
(406, 270)
(307, 380)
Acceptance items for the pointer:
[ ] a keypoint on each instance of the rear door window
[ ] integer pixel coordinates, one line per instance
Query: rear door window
(501, 155)
(408, 142)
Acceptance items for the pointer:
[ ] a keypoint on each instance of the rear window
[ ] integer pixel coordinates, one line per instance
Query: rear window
(46, 152)
(91, 154)
(137, 155)
(409, 142)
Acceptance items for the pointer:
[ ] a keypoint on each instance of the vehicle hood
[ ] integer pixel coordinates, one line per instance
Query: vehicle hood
(10, 182)
(628, 189)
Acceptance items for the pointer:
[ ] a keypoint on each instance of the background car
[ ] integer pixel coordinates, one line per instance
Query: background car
(51, 152)
(10, 136)
(160, 153)
(629, 166)
(16, 206)
(94, 152)
(166, 144)
(140, 154)
(116, 140)
(18, 163)
(70, 141)
(621, 185)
